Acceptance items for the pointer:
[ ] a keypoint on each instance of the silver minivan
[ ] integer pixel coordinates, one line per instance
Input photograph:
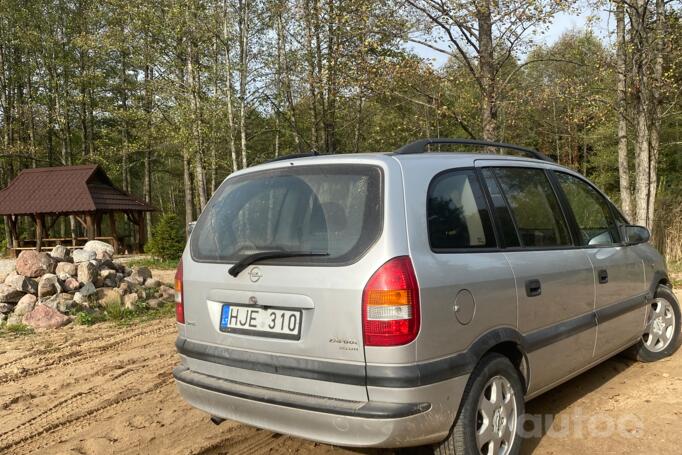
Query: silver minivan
(410, 298)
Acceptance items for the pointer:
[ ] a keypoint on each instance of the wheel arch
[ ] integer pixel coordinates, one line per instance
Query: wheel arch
(507, 342)
(660, 278)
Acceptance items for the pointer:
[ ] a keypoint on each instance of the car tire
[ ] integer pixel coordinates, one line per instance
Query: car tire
(664, 320)
(494, 372)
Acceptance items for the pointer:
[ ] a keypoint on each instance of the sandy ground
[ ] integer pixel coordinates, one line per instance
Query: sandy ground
(108, 389)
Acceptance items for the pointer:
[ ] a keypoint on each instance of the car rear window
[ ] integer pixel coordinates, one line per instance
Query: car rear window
(334, 209)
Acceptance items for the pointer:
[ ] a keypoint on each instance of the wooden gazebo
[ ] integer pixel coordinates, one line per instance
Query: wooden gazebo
(84, 192)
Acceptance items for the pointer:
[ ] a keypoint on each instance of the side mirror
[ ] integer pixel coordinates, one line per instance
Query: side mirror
(190, 227)
(635, 235)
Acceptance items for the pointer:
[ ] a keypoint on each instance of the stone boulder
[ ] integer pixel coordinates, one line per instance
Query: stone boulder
(83, 256)
(127, 285)
(21, 283)
(25, 305)
(59, 252)
(87, 271)
(66, 268)
(62, 302)
(167, 293)
(6, 308)
(88, 289)
(155, 303)
(33, 264)
(101, 249)
(152, 283)
(44, 317)
(104, 256)
(80, 299)
(48, 285)
(108, 296)
(140, 275)
(8, 294)
(71, 284)
(130, 301)
(66, 303)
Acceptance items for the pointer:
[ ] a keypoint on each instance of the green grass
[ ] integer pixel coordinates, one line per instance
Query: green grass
(83, 318)
(15, 329)
(117, 313)
(153, 263)
(142, 314)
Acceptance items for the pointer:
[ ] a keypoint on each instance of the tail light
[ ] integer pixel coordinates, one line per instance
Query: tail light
(179, 295)
(390, 304)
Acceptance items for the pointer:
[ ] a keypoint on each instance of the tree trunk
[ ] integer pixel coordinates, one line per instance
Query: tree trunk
(148, 101)
(312, 75)
(31, 119)
(193, 83)
(642, 108)
(286, 76)
(486, 64)
(358, 123)
(187, 185)
(243, 73)
(623, 167)
(332, 55)
(228, 91)
(656, 101)
(125, 171)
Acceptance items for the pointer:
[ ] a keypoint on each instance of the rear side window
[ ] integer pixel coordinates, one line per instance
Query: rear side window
(503, 218)
(334, 209)
(535, 208)
(457, 214)
(591, 211)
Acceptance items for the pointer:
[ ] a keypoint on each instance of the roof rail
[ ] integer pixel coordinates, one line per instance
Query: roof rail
(293, 156)
(421, 146)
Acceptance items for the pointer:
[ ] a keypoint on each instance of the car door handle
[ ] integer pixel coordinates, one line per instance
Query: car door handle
(533, 288)
(603, 276)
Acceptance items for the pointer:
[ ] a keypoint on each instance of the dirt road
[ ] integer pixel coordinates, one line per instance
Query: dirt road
(106, 389)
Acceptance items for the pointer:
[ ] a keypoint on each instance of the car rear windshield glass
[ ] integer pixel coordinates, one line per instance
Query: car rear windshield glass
(333, 209)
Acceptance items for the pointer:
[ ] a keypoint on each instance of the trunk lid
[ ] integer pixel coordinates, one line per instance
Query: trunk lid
(335, 209)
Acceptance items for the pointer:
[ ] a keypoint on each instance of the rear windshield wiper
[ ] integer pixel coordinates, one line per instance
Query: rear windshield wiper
(261, 256)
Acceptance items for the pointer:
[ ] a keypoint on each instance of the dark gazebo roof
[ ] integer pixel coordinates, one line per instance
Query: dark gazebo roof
(66, 189)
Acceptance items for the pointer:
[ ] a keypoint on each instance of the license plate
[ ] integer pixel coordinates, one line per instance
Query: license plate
(265, 322)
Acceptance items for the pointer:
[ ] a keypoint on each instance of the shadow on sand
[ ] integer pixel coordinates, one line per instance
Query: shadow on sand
(551, 403)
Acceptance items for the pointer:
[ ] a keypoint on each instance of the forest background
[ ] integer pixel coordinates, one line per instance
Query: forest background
(171, 96)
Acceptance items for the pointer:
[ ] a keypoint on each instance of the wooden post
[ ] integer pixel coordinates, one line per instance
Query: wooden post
(114, 234)
(10, 240)
(90, 226)
(72, 225)
(39, 220)
(15, 233)
(98, 224)
(139, 217)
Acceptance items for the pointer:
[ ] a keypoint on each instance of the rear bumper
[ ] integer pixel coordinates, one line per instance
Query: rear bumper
(331, 421)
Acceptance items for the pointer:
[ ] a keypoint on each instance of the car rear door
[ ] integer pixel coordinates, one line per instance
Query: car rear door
(554, 279)
(619, 271)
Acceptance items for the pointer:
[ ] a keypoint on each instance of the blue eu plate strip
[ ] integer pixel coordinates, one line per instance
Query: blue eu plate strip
(225, 317)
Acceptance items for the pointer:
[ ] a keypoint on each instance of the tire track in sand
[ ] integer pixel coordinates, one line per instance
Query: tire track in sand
(80, 354)
(73, 411)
